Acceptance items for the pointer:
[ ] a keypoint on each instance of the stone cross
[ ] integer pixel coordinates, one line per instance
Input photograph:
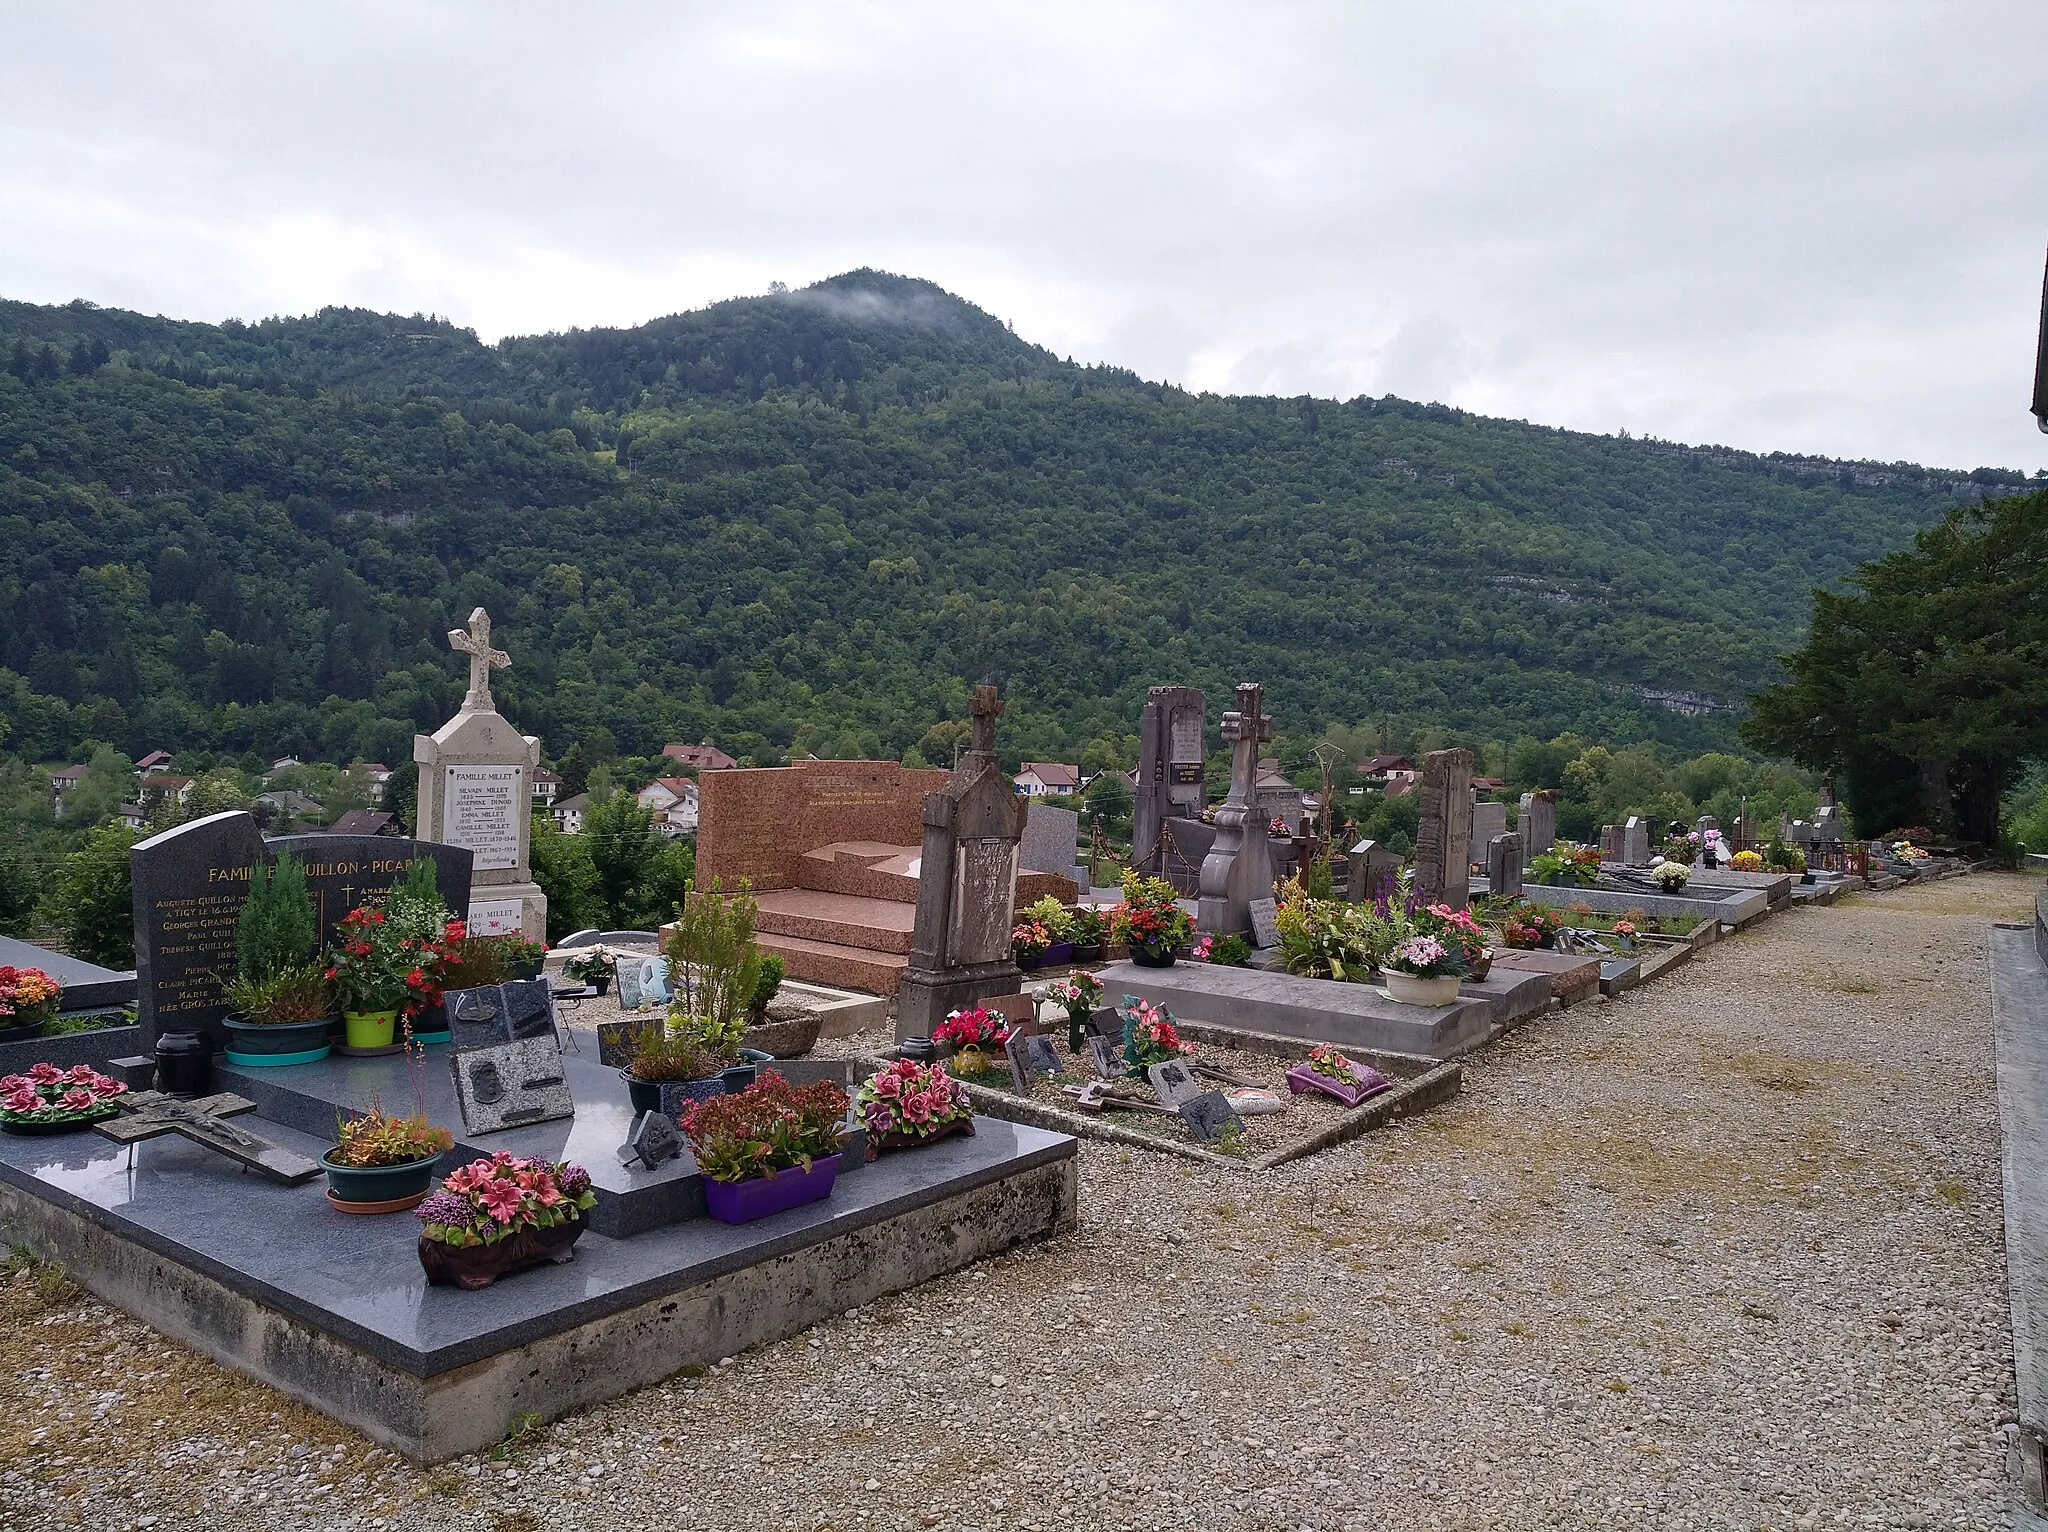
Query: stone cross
(147, 1114)
(1246, 728)
(984, 708)
(1239, 866)
(475, 641)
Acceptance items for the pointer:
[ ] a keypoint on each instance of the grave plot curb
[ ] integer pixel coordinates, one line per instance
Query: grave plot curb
(1431, 1088)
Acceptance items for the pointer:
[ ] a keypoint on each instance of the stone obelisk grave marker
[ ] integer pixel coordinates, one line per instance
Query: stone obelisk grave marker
(476, 791)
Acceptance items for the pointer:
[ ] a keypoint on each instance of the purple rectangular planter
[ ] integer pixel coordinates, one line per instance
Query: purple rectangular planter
(744, 1201)
(1303, 1077)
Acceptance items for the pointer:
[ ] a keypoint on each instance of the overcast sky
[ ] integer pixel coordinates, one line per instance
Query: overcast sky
(1798, 226)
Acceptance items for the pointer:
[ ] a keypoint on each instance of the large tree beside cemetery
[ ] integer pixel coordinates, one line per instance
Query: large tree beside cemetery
(1924, 687)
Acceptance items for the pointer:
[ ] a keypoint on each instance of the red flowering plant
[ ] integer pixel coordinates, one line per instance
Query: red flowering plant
(370, 972)
(770, 1126)
(1150, 1036)
(487, 1200)
(27, 995)
(973, 1035)
(1531, 926)
(913, 1099)
(1150, 917)
(1454, 928)
(47, 1095)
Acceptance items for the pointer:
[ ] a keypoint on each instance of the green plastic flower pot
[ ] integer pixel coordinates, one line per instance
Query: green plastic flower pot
(369, 1029)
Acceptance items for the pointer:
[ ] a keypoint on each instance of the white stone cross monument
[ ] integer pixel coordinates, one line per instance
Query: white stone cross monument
(476, 790)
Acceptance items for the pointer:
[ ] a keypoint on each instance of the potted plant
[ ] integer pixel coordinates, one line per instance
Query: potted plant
(1150, 1036)
(1423, 970)
(970, 1037)
(767, 1148)
(1456, 929)
(907, 1104)
(1029, 943)
(1058, 921)
(493, 1216)
(1531, 926)
(383, 1164)
(1085, 929)
(283, 1007)
(1150, 920)
(28, 1002)
(593, 966)
(369, 973)
(1625, 933)
(1564, 865)
(1078, 995)
(1328, 1071)
(474, 962)
(1746, 861)
(522, 959)
(1670, 876)
(429, 940)
(1324, 938)
(1231, 951)
(714, 968)
(767, 984)
(46, 1099)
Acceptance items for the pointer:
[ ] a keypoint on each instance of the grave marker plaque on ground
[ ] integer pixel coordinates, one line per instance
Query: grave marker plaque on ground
(1109, 1059)
(1265, 915)
(1209, 1116)
(190, 884)
(1443, 838)
(148, 1114)
(1174, 1083)
(652, 1141)
(511, 1085)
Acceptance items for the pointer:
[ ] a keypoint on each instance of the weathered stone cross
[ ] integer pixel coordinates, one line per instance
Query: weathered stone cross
(984, 709)
(146, 1114)
(1246, 728)
(475, 641)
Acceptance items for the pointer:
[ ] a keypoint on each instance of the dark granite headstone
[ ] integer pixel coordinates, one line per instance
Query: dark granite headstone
(653, 1140)
(1109, 1060)
(495, 1014)
(343, 871)
(511, 1085)
(190, 884)
(1209, 1116)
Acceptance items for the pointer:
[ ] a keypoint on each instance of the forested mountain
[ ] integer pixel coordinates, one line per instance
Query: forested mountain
(809, 521)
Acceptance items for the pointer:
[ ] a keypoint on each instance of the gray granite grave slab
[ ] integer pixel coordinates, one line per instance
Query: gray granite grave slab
(1618, 974)
(1511, 994)
(97, 1048)
(336, 1311)
(1777, 886)
(87, 986)
(1052, 839)
(1734, 906)
(1318, 1010)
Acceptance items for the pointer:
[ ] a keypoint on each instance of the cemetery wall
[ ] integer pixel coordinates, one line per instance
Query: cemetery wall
(754, 823)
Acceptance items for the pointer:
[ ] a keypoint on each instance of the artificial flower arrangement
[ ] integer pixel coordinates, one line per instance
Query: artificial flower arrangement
(1625, 929)
(28, 998)
(1455, 928)
(1150, 1036)
(1682, 847)
(974, 1034)
(1150, 918)
(1906, 851)
(769, 1127)
(907, 1103)
(48, 1097)
(1531, 927)
(1746, 861)
(1078, 995)
(1329, 1063)
(1231, 951)
(593, 965)
(1330, 1073)
(486, 1201)
(1670, 876)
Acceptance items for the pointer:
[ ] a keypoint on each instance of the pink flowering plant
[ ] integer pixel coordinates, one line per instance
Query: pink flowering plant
(488, 1200)
(1150, 1036)
(1426, 958)
(46, 1095)
(26, 995)
(906, 1097)
(1332, 1065)
(1079, 991)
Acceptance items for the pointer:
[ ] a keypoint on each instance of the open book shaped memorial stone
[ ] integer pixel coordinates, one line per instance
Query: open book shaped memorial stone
(494, 1014)
(148, 1114)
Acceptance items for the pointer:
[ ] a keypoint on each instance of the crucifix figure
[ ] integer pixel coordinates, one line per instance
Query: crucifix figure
(475, 641)
(147, 1114)
(984, 708)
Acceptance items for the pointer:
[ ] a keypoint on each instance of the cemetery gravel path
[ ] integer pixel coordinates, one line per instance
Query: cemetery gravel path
(1722, 1253)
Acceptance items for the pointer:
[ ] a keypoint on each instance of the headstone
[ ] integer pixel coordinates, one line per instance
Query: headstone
(1537, 824)
(147, 1114)
(1052, 839)
(476, 792)
(1239, 866)
(1030, 1054)
(189, 884)
(1443, 838)
(1489, 820)
(344, 871)
(1209, 1116)
(1705, 823)
(1610, 844)
(1109, 1059)
(1171, 735)
(1504, 867)
(499, 1013)
(1373, 868)
(652, 1142)
(1174, 1083)
(967, 885)
(1265, 915)
(1802, 833)
(1827, 823)
(1277, 800)
(626, 975)
(1743, 836)
(1635, 842)
(511, 1085)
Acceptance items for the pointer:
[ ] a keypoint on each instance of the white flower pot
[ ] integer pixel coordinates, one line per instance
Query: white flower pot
(1411, 989)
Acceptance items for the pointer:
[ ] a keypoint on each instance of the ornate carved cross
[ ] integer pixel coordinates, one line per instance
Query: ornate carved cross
(475, 641)
(1246, 728)
(146, 1114)
(984, 709)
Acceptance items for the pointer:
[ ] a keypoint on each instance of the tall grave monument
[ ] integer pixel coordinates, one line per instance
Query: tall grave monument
(1239, 866)
(476, 791)
(1171, 734)
(1443, 838)
(966, 885)
(1536, 823)
(190, 884)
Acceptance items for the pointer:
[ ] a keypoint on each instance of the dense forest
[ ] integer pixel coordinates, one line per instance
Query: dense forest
(808, 522)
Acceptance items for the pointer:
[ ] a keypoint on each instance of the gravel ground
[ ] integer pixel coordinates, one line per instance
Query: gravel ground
(1722, 1253)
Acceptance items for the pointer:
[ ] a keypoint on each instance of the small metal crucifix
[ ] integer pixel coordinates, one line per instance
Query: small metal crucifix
(149, 1113)
(475, 641)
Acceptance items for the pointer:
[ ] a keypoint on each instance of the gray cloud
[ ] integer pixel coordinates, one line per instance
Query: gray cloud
(1815, 227)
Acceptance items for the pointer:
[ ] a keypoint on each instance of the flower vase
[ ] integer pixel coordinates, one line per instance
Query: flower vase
(368, 1032)
(1077, 1029)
